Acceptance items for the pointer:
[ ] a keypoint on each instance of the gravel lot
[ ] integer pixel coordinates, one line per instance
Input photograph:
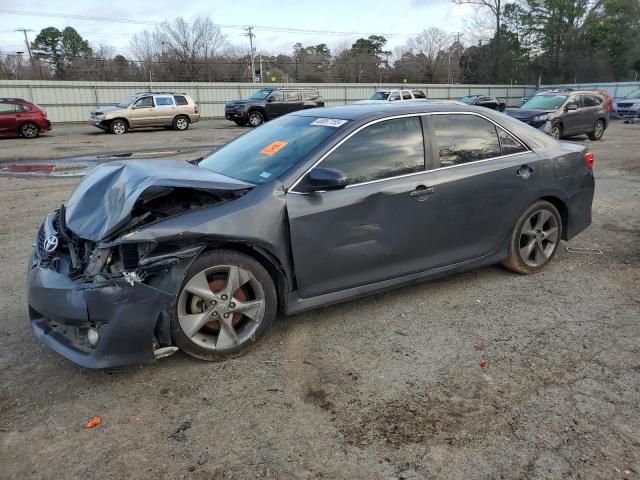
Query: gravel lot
(386, 387)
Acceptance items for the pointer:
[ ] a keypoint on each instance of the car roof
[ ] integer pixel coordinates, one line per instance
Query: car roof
(374, 111)
(13, 100)
(567, 92)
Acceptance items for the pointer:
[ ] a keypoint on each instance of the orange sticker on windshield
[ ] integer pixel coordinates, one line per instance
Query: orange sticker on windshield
(274, 148)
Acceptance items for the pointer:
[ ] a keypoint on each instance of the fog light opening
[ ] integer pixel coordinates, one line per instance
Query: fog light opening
(93, 336)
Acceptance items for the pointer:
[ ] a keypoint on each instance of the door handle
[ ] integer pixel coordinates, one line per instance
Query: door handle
(422, 192)
(524, 171)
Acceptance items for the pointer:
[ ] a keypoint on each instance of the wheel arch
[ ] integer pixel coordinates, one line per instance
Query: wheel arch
(124, 119)
(270, 262)
(562, 209)
(22, 124)
(257, 108)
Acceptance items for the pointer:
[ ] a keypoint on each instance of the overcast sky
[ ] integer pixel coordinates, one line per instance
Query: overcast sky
(404, 18)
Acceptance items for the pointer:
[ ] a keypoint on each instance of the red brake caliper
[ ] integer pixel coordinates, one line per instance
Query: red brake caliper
(241, 294)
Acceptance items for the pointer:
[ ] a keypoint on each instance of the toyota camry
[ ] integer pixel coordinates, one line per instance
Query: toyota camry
(317, 207)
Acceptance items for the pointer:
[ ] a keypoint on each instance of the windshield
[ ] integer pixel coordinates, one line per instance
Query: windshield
(270, 150)
(379, 96)
(469, 100)
(127, 101)
(261, 94)
(634, 94)
(545, 102)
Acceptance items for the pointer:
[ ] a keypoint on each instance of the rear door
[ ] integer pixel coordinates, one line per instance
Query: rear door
(485, 180)
(293, 101)
(592, 106)
(165, 111)
(8, 120)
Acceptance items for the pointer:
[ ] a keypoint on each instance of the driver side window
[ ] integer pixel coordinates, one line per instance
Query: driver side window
(144, 102)
(277, 96)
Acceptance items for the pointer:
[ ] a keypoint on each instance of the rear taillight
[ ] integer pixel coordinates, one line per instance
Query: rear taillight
(589, 159)
(42, 113)
(195, 109)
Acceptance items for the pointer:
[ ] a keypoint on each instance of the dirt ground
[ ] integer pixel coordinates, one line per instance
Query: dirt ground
(387, 387)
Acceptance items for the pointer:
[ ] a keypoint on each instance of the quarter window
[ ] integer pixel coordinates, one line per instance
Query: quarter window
(181, 100)
(464, 138)
(406, 95)
(508, 144)
(386, 149)
(419, 94)
(164, 101)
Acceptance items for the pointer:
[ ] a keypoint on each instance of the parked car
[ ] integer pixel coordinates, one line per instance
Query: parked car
(19, 117)
(147, 109)
(269, 103)
(539, 91)
(485, 101)
(629, 105)
(317, 207)
(394, 95)
(565, 114)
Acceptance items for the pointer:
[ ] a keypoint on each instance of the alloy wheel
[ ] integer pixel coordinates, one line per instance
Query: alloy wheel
(221, 307)
(598, 130)
(555, 132)
(539, 237)
(29, 130)
(255, 119)
(181, 123)
(119, 128)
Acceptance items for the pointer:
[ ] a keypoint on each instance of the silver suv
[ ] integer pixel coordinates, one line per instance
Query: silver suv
(147, 109)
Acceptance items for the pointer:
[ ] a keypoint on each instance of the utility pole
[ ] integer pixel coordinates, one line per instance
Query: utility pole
(249, 30)
(26, 42)
(261, 78)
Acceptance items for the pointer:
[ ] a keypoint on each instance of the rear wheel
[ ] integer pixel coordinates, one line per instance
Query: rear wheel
(256, 118)
(29, 130)
(118, 127)
(598, 131)
(227, 302)
(535, 238)
(180, 123)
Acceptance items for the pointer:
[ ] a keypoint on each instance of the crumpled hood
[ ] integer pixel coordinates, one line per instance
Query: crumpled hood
(102, 202)
(105, 110)
(525, 113)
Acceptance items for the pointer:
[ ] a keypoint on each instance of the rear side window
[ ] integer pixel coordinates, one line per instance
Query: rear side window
(164, 101)
(591, 101)
(386, 149)
(464, 138)
(293, 95)
(406, 95)
(181, 100)
(394, 96)
(419, 94)
(509, 144)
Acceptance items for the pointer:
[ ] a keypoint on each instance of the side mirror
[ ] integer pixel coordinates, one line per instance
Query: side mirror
(270, 99)
(570, 107)
(326, 179)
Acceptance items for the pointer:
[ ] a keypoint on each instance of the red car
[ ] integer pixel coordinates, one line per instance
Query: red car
(19, 117)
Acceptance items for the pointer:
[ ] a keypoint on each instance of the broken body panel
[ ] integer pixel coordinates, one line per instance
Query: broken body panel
(131, 230)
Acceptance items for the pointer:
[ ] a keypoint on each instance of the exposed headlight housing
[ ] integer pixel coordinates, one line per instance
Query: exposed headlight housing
(541, 118)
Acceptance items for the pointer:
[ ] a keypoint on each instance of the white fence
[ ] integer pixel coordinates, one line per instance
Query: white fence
(615, 89)
(71, 101)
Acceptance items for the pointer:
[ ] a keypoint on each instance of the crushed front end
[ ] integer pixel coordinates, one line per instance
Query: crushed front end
(102, 304)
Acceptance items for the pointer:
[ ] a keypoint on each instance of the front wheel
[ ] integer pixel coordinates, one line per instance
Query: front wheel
(556, 131)
(535, 238)
(29, 130)
(118, 127)
(598, 131)
(256, 119)
(226, 303)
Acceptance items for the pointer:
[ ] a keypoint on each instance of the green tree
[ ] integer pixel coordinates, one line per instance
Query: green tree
(59, 48)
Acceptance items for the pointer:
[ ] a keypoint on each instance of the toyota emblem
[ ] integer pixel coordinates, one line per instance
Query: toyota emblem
(51, 243)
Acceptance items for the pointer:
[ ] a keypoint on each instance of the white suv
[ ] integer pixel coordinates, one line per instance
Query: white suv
(396, 95)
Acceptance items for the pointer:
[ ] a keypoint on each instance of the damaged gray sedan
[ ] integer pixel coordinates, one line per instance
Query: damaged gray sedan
(314, 208)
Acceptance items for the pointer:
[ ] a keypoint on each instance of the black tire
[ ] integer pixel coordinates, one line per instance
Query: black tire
(221, 259)
(519, 241)
(29, 130)
(256, 118)
(598, 131)
(240, 123)
(556, 131)
(181, 123)
(118, 127)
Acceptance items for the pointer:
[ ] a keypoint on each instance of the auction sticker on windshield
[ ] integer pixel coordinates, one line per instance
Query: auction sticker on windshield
(274, 147)
(329, 122)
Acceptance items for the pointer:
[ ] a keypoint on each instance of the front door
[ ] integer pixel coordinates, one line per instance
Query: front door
(573, 120)
(376, 228)
(8, 120)
(293, 101)
(275, 105)
(142, 112)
